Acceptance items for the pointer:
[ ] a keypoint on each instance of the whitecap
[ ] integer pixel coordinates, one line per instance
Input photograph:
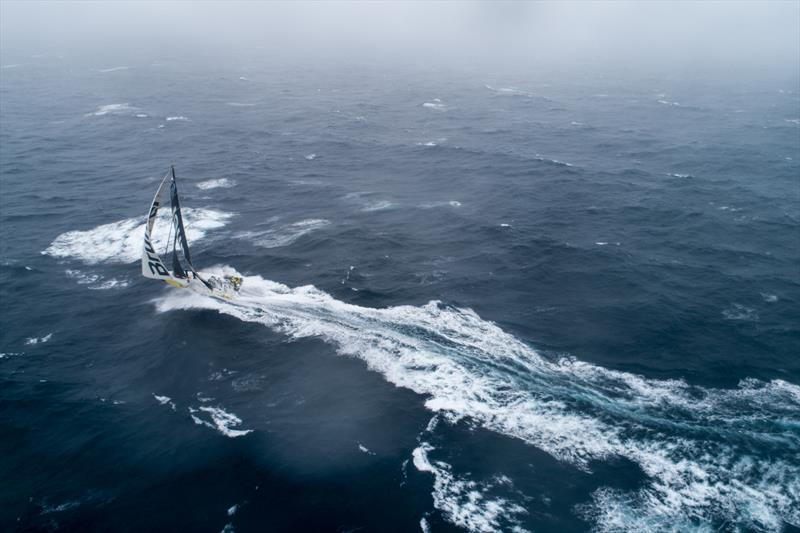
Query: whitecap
(446, 203)
(221, 420)
(122, 241)
(38, 340)
(179, 118)
(378, 206)
(112, 69)
(424, 526)
(364, 449)
(792, 120)
(165, 400)
(284, 235)
(436, 105)
(94, 280)
(509, 91)
(771, 298)
(111, 109)
(310, 157)
(219, 183)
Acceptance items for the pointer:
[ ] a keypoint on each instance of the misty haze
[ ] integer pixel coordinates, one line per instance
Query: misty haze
(400, 266)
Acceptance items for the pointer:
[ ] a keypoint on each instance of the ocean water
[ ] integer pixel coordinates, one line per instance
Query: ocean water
(472, 301)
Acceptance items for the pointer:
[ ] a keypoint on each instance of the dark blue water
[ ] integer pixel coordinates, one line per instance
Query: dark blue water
(472, 300)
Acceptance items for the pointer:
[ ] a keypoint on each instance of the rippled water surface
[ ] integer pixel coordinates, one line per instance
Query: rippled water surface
(471, 301)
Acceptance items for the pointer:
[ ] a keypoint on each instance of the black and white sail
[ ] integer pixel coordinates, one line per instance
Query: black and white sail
(176, 247)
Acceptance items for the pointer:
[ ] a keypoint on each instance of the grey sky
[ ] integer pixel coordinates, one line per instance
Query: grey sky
(699, 34)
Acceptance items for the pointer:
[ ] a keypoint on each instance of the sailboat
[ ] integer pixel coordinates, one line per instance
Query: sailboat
(183, 274)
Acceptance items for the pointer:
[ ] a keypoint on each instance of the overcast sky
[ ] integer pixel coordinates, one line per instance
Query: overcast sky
(700, 34)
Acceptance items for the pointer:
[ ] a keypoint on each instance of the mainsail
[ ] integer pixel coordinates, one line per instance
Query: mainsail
(176, 245)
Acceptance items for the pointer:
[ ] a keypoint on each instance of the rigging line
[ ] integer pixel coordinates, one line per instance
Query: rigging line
(169, 236)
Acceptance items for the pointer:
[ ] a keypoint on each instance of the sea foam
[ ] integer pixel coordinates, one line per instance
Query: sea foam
(122, 241)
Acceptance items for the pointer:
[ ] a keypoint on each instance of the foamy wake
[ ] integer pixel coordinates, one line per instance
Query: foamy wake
(219, 183)
(712, 457)
(122, 241)
(284, 235)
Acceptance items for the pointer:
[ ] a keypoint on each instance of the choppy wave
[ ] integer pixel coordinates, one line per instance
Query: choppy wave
(121, 241)
(219, 183)
(712, 457)
(284, 235)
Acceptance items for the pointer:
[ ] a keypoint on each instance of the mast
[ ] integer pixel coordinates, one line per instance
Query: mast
(180, 232)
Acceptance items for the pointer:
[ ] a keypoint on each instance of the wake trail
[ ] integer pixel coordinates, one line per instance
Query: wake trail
(711, 456)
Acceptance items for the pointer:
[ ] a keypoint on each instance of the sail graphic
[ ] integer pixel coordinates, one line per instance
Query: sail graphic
(152, 264)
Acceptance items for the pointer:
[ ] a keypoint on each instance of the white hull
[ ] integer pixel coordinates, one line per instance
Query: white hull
(221, 288)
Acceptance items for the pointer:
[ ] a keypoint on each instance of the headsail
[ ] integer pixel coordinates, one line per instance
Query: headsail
(152, 264)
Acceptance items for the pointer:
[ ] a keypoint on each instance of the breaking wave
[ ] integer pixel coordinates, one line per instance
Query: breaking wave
(121, 241)
(509, 91)
(220, 183)
(712, 457)
(220, 420)
(436, 105)
(112, 109)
